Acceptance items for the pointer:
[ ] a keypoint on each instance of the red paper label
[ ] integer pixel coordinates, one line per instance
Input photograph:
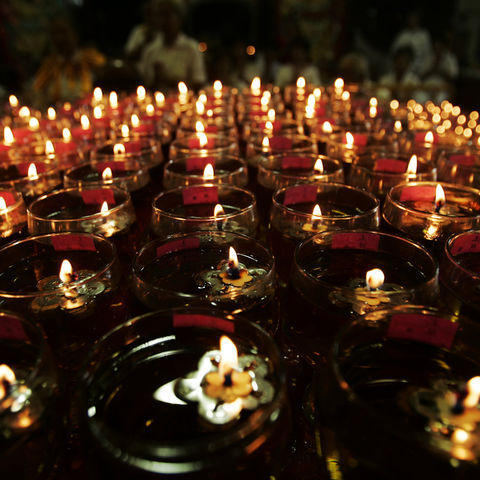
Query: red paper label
(195, 195)
(390, 165)
(97, 196)
(211, 129)
(65, 147)
(11, 328)
(436, 331)
(277, 125)
(73, 242)
(296, 163)
(360, 241)
(9, 197)
(132, 147)
(101, 166)
(320, 111)
(186, 320)
(467, 160)
(418, 193)
(280, 143)
(22, 168)
(359, 139)
(198, 163)
(467, 243)
(300, 194)
(195, 143)
(178, 245)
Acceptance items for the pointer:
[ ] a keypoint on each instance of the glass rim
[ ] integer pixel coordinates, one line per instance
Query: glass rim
(451, 258)
(19, 201)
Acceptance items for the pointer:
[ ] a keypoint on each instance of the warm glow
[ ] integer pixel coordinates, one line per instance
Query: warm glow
(218, 210)
(459, 435)
(318, 167)
(256, 84)
(439, 196)
(199, 126)
(125, 131)
(456, 111)
(429, 137)
(8, 138)
(349, 138)
(412, 165)
(32, 172)
(203, 98)
(24, 112)
(33, 123)
(7, 376)
(141, 92)
(104, 207)
(374, 278)
(346, 96)
(373, 102)
(107, 174)
(97, 112)
(202, 139)
(327, 127)
(228, 355)
(250, 50)
(13, 100)
(317, 213)
(67, 135)
(97, 94)
(113, 100)
(301, 82)
(182, 88)
(473, 397)
(394, 104)
(309, 111)
(49, 148)
(265, 142)
(232, 257)
(209, 112)
(373, 112)
(159, 99)
(217, 85)
(118, 149)
(200, 107)
(3, 204)
(436, 118)
(202, 47)
(208, 172)
(467, 133)
(134, 120)
(66, 272)
(84, 122)
(271, 115)
(339, 84)
(397, 126)
(150, 109)
(311, 100)
(474, 115)
(461, 119)
(51, 113)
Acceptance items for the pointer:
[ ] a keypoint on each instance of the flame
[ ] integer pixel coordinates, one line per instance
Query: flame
(7, 375)
(13, 100)
(316, 213)
(3, 204)
(84, 122)
(317, 92)
(104, 207)
(232, 257)
(24, 112)
(218, 210)
(113, 100)
(412, 165)
(159, 99)
(97, 112)
(397, 126)
(209, 112)
(228, 355)
(141, 92)
(200, 107)
(199, 126)
(256, 84)
(373, 102)
(374, 278)
(32, 172)
(309, 111)
(301, 82)
(202, 98)
(350, 139)
(33, 123)
(269, 126)
(135, 121)
(118, 149)
(208, 172)
(339, 84)
(394, 104)
(327, 127)
(182, 88)
(318, 167)
(311, 100)
(473, 397)
(66, 272)
(265, 143)
(345, 95)
(439, 197)
(373, 112)
(429, 137)
(202, 139)
(459, 435)
(150, 109)
(8, 137)
(51, 113)
(264, 101)
(97, 94)
(107, 174)
(271, 114)
(67, 135)
(49, 148)
(217, 85)
(125, 131)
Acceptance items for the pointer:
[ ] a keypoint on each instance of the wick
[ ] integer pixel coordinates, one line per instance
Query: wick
(232, 271)
(228, 380)
(220, 225)
(438, 207)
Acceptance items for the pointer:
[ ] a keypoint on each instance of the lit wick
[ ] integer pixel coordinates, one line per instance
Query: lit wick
(397, 126)
(119, 149)
(134, 120)
(439, 198)
(13, 100)
(412, 166)
(429, 138)
(125, 131)
(141, 93)
(159, 99)
(265, 144)
(113, 100)
(318, 167)
(51, 113)
(8, 137)
(97, 94)
(217, 211)
(327, 127)
(234, 275)
(313, 225)
(7, 380)
(32, 172)
(208, 172)
(33, 123)
(3, 205)
(200, 107)
(349, 140)
(374, 279)
(107, 175)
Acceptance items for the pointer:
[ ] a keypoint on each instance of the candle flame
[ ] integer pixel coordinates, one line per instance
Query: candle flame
(104, 207)
(459, 435)
(327, 127)
(125, 131)
(439, 196)
(209, 112)
(318, 167)
(3, 204)
(373, 102)
(32, 172)
(339, 84)
(228, 356)
(24, 112)
(13, 100)
(208, 172)
(97, 112)
(202, 98)
(118, 149)
(256, 84)
(135, 120)
(97, 94)
(271, 114)
(113, 100)
(218, 210)
(107, 174)
(199, 126)
(473, 397)
(84, 122)
(311, 101)
(51, 113)
(66, 272)
(182, 88)
(309, 111)
(374, 278)
(429, 137)
(200, 107)
(316, 213)
(265, 143)
(232, 257)
(394, 104)
(159, 99)
(350, 139)
(141, 92)
(412, 165)
(7, 375)
(317, 92)
(67, 135)
(373, 112)
(264, 101)
(202, 139)
(33, 123)
(269, 126)
(8, 138)
(397, 126)
(345, 95)
(150, 109)
(301, 82)
(217, 85)
(49, 148)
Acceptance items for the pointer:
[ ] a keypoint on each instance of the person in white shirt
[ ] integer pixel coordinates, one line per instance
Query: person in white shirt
(172, 57)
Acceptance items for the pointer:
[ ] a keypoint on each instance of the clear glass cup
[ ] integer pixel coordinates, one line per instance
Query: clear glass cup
(461, 166)
(13, 218)
(190, 146)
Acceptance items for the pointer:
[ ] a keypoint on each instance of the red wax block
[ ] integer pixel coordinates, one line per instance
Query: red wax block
(436, 331)
(195, 143)
(132, 147)
(103, 122)
(147, 128)
(101, 166)
(73, 241)
(418, 193)
(390, 165)
(280, 143)
(296, 163)
(65, 147)
(467, 160)
(467, 243)
(198, 163)
(211, 129)
(4, 148)
(300, 194)
(195, 195)
(186, 320)
(420, 137)
(22, 133)
(22, 168)
(359, 139)
(8, 197)
(81, 133)
(320, 111)
(359, 241)
(96, 196)
(11, 328)
(178, 245)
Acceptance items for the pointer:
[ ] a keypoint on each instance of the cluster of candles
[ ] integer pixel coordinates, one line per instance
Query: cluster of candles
(301, 210)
